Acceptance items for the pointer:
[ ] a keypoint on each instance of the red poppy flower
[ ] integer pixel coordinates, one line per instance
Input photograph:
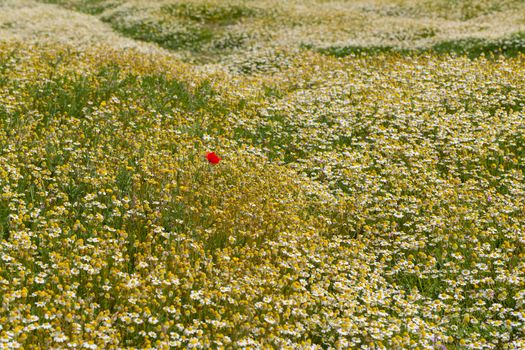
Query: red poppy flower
(213, 158)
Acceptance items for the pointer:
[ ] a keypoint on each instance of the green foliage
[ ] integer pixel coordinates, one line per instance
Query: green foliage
(190, 37)
(93, 7)
(77, 94)
(472, 48)
(210, 14)
(512, 46)
(343, 51)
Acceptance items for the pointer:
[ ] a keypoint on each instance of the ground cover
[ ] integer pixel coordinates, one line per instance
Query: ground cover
(366, 198)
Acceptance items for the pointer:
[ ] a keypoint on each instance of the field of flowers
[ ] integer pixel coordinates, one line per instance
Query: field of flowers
(367, 188)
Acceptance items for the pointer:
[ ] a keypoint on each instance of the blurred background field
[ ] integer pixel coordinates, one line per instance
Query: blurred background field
(370, 194)
(214, 31)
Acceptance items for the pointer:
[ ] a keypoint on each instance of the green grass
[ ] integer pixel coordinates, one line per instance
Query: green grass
(472, 48)
(511, 46)
(189, 37)
(92, 7)
(221, 15)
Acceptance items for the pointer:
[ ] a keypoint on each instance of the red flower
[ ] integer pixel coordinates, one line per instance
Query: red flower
(213, 158)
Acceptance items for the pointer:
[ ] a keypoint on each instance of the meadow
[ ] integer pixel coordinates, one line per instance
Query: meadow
(370, 192)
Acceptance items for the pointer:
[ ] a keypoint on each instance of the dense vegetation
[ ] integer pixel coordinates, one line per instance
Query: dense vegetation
(371, 194)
